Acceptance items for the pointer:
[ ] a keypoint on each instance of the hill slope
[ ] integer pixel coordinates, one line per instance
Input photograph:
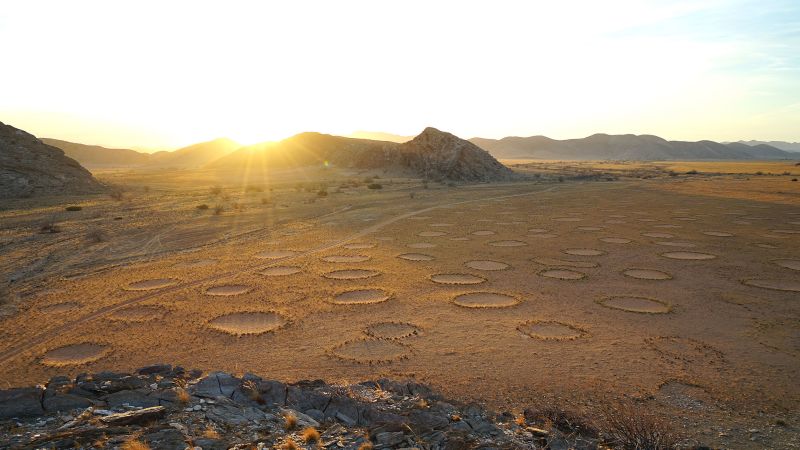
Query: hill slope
(433, 154)
(196, 155)
(623, 147)
(782, 145)
(97, 156)
(30, 167)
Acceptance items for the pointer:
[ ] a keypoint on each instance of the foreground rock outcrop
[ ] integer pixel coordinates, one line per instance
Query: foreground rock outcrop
(168, 407)
(29, 167)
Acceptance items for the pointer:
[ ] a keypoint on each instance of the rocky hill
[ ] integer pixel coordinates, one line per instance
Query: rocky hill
(196, 155)
(782, 145)
(29, 167)
(97, 156)
(169, 408)
(433, 154)
(624, 147)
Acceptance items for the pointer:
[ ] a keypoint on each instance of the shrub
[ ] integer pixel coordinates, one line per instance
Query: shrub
(202, 207)
(794, 179)
(117, 195)
(289, 421)
(411, 195)
(182, 396)
(322, 193)
(759, 173)
(691, 172)
(632, 427)
(218, 210)
(374, 186)
(73, 208)
(215, 190)
(95, 235)
(265, 201)
(134, 444)
(310, 434)
(50, 226)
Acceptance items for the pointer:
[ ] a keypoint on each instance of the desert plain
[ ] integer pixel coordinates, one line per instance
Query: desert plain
(674, 284)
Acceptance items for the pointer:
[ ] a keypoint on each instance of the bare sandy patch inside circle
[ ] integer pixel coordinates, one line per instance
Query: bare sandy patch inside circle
(777, 285)
(695, 256)
(485, 264)
(686, 349)
(764, 245)
(483, 233)
(565, 263)
(416, 257)
(431, 233)
(537, 230)
(275, 254)
(485, 300)
(147, 285)
(345, 258)
(658, 235)
(551, 330)
(228, 290)
(615, 240)
(58, 308)
(421, 245)
(590, 228)
(543, 235)
(74, 354)
(583, 252)
(509, 243)
(675, 244)
(562, 274)
(359, 245)
(351, 274)
(138, 313)
(717, 233)
(459, 239)
(361, 297)
(392, 330)
(646, 274)
(281, 271)
(785, 231)
(371, 351)
(456, 278)
(567, 219)
(441, 225)
(793, 264)
(636, 304)
(242, 323)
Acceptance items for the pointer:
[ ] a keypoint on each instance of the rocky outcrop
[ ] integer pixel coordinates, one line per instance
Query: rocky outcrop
(433, 154)
(168, 407)
(29, 167)
(437, 154)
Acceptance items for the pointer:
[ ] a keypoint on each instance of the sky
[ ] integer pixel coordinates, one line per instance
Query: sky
(154, 74)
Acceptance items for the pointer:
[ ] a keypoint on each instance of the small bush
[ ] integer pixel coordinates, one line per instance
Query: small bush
(290, 444)
(49, 226)
(117, 195)
(632, 427)
(215, 190)
(672, 173)
(182, 396)
(366, 446)
(411, 195)
(95, 235)
(218, 210)
(265, 201)
(759, 173)
(322, 193)
(289, 421)
(202, 207)
(794, 179)
(134, 444)
(691, 172)
(73, 208)
(374, 186)
(310, 435)
(210, 433)
(560, 179)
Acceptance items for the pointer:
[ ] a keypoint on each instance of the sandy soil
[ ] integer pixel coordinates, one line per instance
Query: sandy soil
(572, 298)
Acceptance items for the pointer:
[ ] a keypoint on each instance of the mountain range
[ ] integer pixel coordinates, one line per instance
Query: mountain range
(624, 147)
(783, 145)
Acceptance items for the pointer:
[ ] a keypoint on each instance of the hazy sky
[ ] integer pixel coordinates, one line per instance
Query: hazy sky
(164, 74)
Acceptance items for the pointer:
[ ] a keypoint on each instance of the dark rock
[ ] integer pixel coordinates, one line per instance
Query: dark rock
(316, 414)
(423, 421)
(166, 439)
(134, 417)
(161, 369)
(228, 412)
(56, 402)
(303, 399)
(211, 444)
(217, 384)
(389, 438)
(137, 398)
(21, 402)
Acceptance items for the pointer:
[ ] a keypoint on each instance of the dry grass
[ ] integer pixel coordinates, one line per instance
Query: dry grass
(633, 427)
(366, 446)
(310, 434)
(290, 421)
(290, 444)
(183, 396)
(134, 444)
(210, 433)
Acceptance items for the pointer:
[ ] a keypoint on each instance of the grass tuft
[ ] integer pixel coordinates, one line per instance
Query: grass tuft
(310, 434)
(290, 421)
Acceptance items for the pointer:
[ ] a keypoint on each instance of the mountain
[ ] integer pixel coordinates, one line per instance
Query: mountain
(96, 156)
(433, 154)
(623, 147)
(787, 146)
(380, 136)
(196, 155)
(29, 167)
